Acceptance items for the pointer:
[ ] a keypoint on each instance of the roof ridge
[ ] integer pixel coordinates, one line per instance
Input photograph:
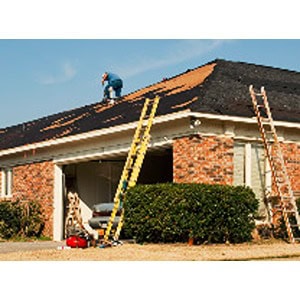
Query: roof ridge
(254, 64)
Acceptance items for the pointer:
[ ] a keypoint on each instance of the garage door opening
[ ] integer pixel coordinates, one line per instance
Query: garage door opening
(96, 181)
(157, 167)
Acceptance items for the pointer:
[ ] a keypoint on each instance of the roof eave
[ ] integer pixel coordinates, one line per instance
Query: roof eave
(125, 127)
(245, 120)
(92, 134)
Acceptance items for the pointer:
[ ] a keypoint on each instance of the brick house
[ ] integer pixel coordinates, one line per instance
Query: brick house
(204, 131)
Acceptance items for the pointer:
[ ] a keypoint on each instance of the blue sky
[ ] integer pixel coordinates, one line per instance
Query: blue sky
(52, 53)
(39, 77)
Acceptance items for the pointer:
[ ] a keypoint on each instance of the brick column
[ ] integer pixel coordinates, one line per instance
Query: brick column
(291, 154)
(35, 182)
(203, 160)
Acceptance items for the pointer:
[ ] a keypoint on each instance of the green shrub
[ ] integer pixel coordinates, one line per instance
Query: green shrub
(175, 212)
(32, 222)
(10, 219)
(20, 219)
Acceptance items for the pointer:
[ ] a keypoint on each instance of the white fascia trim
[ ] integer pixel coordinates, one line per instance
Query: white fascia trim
(93, 134)
(242, 119)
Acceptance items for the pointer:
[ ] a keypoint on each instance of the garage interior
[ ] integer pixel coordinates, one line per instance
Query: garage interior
(96, 181)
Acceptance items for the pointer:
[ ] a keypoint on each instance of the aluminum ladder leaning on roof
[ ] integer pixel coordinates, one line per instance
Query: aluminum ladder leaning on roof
(133, 164)
(287, 203)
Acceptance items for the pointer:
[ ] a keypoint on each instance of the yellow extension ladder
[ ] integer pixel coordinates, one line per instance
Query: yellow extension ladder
(133, 163)
(280, 178)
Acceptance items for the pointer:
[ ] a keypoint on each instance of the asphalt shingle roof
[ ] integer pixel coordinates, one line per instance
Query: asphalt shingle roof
(219, 87)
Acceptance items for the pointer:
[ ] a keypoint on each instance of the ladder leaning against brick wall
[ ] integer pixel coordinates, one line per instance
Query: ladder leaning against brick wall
(287, 201)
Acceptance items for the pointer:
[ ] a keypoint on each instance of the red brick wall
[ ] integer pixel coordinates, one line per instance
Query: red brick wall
(35, 182)
(203, 160)
(291, 153)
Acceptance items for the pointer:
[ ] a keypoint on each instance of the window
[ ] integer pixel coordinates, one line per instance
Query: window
(6, 189)
(251, 169)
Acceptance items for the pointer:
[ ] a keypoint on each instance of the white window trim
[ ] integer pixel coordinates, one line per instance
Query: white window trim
(6, 179)
(248, 164)
(268, 177)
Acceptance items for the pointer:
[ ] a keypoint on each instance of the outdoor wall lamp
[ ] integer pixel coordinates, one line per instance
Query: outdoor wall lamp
(194, 123)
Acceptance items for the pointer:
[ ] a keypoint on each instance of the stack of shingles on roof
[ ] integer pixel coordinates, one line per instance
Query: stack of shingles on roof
(219, 87)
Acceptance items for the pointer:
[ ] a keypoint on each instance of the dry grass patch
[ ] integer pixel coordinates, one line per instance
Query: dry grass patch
(164, 252)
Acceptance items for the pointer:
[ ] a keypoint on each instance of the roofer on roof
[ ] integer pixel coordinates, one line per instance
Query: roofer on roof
(114, 83)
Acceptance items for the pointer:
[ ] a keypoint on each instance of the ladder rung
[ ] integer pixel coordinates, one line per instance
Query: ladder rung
(277, 163)
(286, 211)
(268, 125)
(276, 157)
(280, 177)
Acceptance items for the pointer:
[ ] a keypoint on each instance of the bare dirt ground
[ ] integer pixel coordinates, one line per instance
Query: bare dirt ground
(47, 251)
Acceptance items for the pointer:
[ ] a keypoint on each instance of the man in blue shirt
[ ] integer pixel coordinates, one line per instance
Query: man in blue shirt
(114, 83)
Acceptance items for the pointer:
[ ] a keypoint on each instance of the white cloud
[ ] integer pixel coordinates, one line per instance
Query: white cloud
(182, 51)
(66, 73)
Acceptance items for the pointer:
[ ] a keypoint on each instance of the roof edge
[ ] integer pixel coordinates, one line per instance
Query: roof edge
(245, 120)
(92, 134)
(121, 128)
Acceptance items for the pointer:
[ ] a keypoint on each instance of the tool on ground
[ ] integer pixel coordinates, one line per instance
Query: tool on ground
(132, 165)
(287, 203)
(76, 235)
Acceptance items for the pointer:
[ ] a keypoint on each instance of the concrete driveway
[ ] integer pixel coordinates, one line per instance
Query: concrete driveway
(7, 247)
